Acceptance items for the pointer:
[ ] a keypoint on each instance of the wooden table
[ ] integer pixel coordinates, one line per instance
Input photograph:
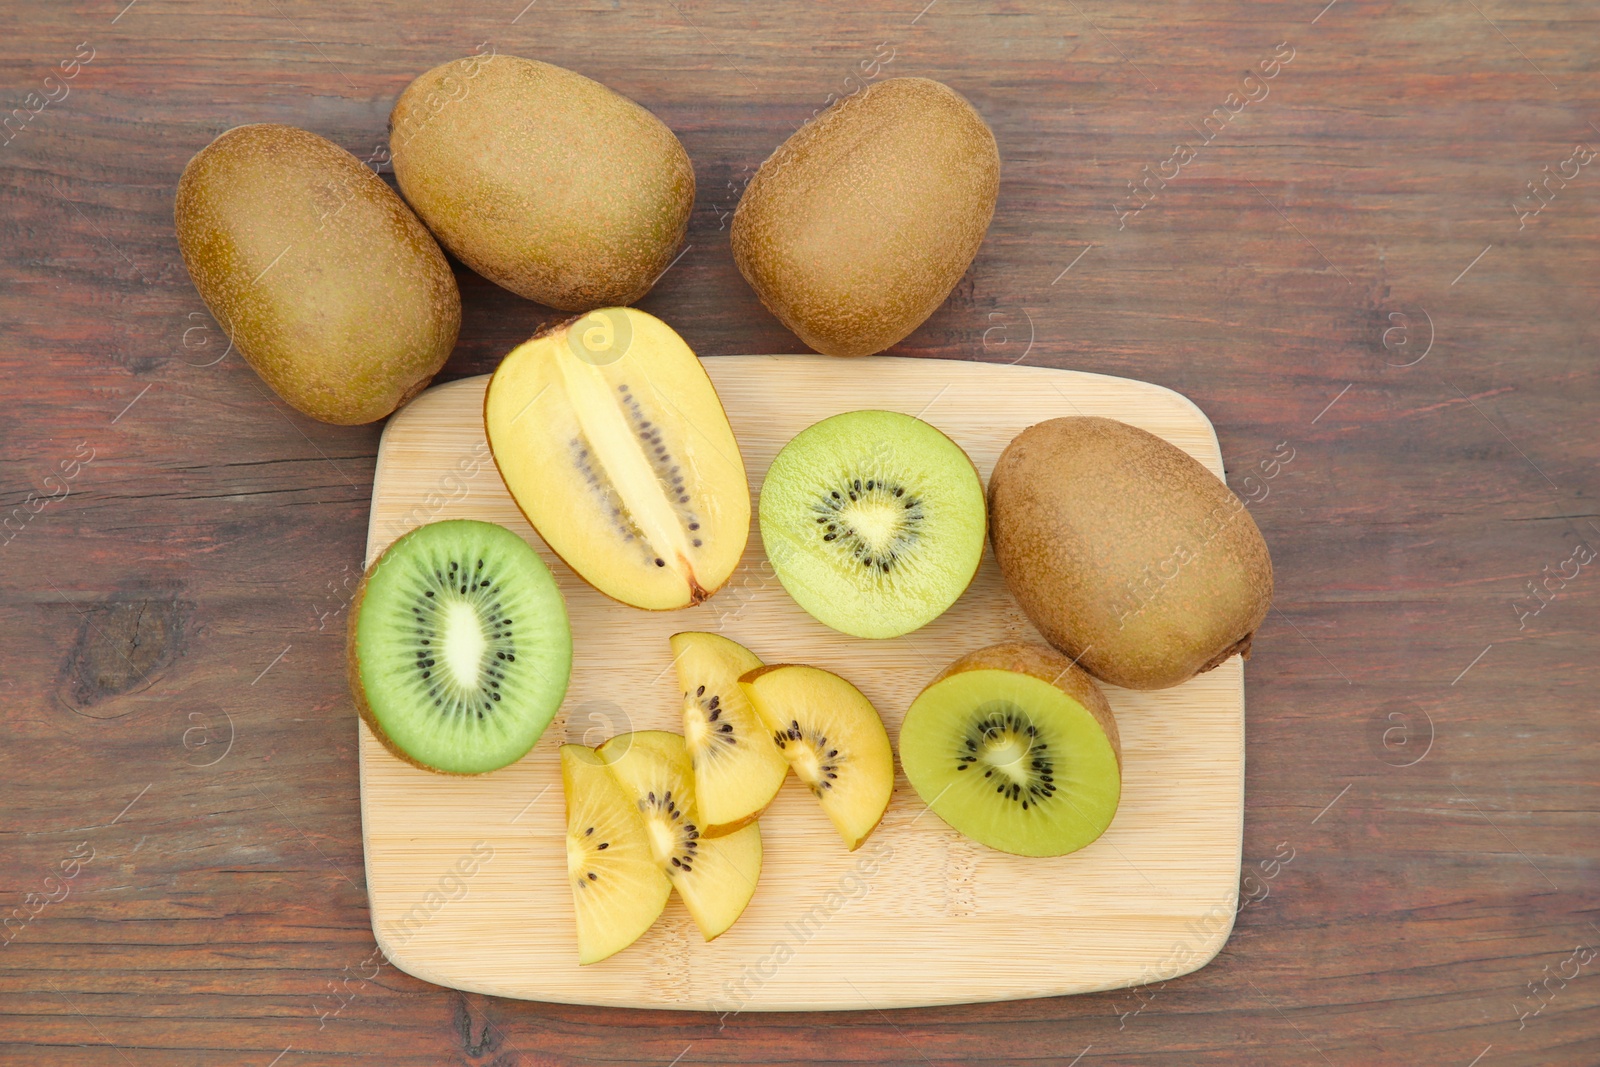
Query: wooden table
(1347, 272)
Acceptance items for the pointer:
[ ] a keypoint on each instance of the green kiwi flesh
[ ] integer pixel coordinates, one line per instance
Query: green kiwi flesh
(1016, 748)
(874, 522)
(459, 647)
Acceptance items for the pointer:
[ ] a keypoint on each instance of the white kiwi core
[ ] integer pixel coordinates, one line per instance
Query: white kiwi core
(464, 643)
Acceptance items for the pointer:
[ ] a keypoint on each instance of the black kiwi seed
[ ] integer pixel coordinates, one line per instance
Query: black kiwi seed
(828, 759)
(686, 834)
(832, 512)
(1001, 723)
(719, 740)
(452, 699)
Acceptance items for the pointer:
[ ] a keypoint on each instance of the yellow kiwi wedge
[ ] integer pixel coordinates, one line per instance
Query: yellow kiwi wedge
(618, 888)
(834, 740)
(737, 769)
(714, 876)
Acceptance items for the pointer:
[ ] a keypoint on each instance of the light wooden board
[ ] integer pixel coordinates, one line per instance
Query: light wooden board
(467, 876)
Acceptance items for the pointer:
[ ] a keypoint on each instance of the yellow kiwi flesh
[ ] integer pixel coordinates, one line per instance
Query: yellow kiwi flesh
(618, 888)
(714, 876)
(612, 441)
(856, 229)
(833, 739)
(737, 769)
(1127, 554)
(542, 180)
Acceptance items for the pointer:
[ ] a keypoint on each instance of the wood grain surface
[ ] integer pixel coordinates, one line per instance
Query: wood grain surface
(920, 915)
(1347, 274)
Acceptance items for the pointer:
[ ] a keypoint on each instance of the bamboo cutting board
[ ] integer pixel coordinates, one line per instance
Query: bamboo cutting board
(467, 876)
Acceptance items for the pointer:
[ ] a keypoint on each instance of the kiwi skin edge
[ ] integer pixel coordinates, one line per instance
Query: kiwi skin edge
(726, 828)
(1049, 666)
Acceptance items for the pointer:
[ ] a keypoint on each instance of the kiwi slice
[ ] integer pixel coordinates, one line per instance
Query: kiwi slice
(617, 885)
(833, 738)
(874, 522)
(1015, 747)
(715, 876)
(737, 771)
(459, 649)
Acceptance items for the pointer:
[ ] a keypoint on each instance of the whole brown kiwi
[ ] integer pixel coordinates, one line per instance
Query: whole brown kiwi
(542, 180)
(856, 229)
(321, 276)
(1128, 555)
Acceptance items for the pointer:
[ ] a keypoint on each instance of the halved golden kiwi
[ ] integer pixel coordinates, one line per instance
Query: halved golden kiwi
(613, 443)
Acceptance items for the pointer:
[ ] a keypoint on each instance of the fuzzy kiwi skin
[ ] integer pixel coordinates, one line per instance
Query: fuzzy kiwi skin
(328, 285)
(856, 229)
(1050, 667)
(1125, 552)
(542, 180)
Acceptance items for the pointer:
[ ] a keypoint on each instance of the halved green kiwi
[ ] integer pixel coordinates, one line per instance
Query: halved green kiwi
(874, 522)
(459, 648)
(1015, 747)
